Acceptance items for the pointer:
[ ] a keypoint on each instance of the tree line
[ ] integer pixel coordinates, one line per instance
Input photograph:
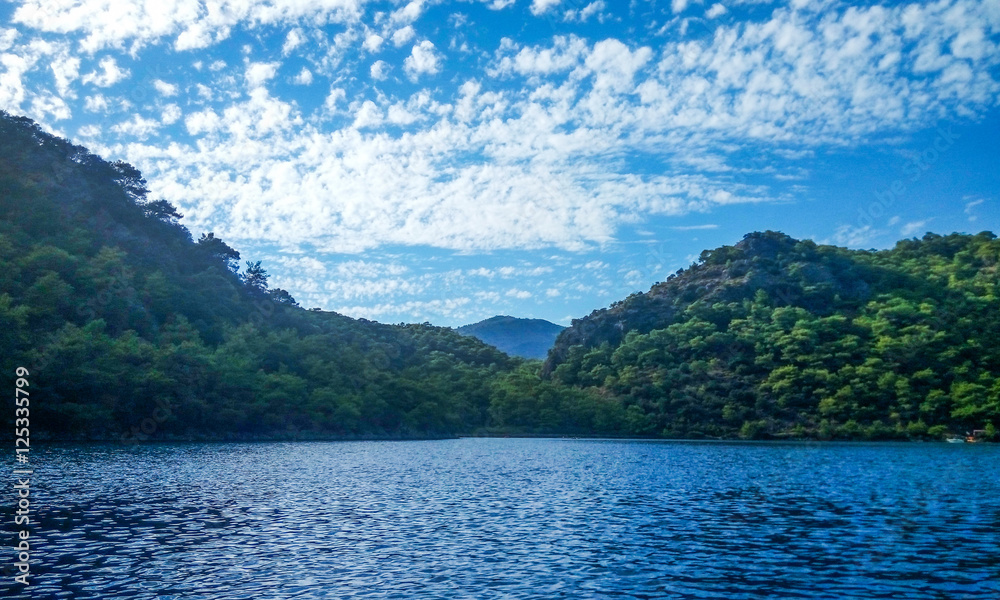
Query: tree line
(133, 330)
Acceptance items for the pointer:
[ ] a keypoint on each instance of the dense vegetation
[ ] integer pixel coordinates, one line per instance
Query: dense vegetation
(527, 338)
(778, 337)
(131, 329)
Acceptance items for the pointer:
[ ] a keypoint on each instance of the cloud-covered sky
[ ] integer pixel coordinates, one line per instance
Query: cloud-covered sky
(448, 161)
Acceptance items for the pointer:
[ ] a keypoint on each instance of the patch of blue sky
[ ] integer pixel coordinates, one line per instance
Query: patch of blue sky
(446, 161)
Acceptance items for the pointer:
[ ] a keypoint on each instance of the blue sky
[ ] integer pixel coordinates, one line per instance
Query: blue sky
(449, 161)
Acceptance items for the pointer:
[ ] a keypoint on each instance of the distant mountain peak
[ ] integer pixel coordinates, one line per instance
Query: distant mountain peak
(527, 338)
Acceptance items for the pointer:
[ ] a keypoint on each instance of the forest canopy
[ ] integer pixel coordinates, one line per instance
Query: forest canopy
(133, 330)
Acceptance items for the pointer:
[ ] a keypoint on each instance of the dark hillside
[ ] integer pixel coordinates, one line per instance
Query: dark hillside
(775, 336)
(131, 328)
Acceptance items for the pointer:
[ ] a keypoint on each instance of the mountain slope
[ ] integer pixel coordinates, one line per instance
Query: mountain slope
(527, 338)
(130, 329)
(779, 337)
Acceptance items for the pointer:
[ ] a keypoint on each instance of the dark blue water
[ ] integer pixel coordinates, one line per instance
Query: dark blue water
(509, 518)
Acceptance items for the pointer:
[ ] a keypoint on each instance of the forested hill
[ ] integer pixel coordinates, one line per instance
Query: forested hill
(775, 336)
(131, 329)
(528, 338)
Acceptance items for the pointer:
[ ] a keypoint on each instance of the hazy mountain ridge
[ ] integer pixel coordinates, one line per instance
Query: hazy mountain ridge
(527, 338)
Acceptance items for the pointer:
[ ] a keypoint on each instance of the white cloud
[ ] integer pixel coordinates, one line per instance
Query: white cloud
(367, 269)
(408, 13)
(632, 277)
(293, 40)
(856, 237)
(305, 77)
(191, 24)
(65, 70)
(403, 35)
(614, 65)
(970, 208)
(519, 294)
(205, 121)
(164, 88)
(49, 104)
(137, 127)
(257, 74)
(694, 227)
(368, 115)
(89, 131)
(347, 190)
(564, 54)
(353, 288)
(422, 310)
(110, 74)
(510, 272)
(379, 69)
(373, 42)
(537, 160)
(487, 295)
(716, 10)
(334, 98)
(95, 103)
(7, 37)
(12, 92)
(583, 14)
(422, 59)
(541, 6)
(204, 92)
(833, 79)
(399, 114)
(171, 114)
(913, 227)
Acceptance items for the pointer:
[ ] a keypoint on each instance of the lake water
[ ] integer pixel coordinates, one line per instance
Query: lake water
(513, 518)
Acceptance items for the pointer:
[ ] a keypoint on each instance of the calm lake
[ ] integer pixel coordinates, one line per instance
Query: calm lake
(513, 518)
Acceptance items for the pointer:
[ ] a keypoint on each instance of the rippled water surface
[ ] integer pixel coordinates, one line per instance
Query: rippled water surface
(512, 518)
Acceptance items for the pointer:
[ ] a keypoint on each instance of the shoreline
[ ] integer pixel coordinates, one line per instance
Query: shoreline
(244, 439)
